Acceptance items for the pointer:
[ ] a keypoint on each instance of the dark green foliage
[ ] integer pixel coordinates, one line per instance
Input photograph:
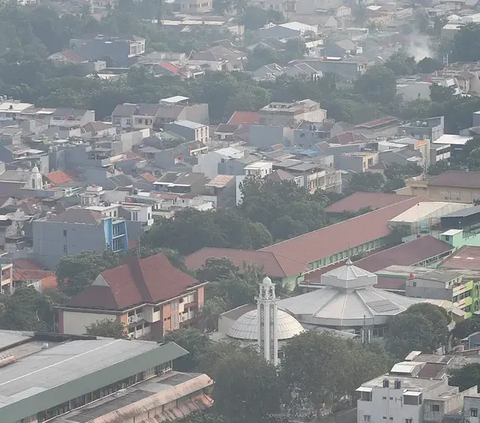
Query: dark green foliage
(377, 85)
(27, 310)
(423, 327)
(194, 341)
(107, 328)
(465, 377)
(400, 63)
(191, 230)
(466, 327)
(365, 182)
(466, 44)
(438, 167)
(323, 368)
(429, 65)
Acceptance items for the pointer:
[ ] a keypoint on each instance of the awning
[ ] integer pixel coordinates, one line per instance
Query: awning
(364, 389)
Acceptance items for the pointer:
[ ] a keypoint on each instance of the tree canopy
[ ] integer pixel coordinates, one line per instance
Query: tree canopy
(465, 377)
(107, 328)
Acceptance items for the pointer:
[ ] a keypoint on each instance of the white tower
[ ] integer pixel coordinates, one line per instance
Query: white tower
(35, 179)
(268, 321)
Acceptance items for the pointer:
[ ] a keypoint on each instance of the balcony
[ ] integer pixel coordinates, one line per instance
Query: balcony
(135, 318)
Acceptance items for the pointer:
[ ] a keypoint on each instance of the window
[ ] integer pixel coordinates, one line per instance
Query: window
(474, 412)
(408, 420)
(367, 418)
(64, 248)
(64, 232)
(156, 309)
(435, 407)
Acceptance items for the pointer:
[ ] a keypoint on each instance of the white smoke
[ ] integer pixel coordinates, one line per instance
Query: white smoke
(418, 46)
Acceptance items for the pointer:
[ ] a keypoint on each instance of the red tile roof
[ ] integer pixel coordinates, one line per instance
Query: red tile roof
(33, 275)
(347, 138)
(26, 264)
(137, 281)
(58, 177)
(274, 265)
(407, 254)
(72, 57)
(467, 258)
(148, 177)
(333, 239)
(456, 179)
(385, 121)
(170, 67)
(362, 200)
(243, 118)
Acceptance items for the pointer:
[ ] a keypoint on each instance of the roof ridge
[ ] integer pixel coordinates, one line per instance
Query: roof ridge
(342, 222)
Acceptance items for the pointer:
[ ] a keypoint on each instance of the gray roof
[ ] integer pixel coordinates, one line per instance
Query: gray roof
(68, 111)
(124, 110)
(78, 215)
(66, 371)
(464, 212)
(189, 124)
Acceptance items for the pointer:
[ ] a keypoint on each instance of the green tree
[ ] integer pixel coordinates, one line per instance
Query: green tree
(377, 85)
(466, 327)
(465, 377)
(365, 182)
(294, 49)
(246, 387)
(107, 328)
(438, 167)
(429, 65)
(216, 269)
(27, 310)
(320, 368)
(466, 44)
(74, 273)
(473, 160)
(439, 94)
(194, 341)
(423, 327)
(400, 63)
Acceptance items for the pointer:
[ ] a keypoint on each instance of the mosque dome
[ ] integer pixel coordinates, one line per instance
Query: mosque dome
(267, 281)
(246, 326)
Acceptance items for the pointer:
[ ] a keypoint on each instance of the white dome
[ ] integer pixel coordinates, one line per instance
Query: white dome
(246, 326)
(267, 281)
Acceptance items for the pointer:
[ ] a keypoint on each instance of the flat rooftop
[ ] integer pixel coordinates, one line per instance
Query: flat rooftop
(56, 365)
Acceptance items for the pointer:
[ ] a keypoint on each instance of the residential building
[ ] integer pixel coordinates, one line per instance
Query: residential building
(128, 116)
(259, 169)
(286, 114)
(342, 48)
(67, 117)
(40, 280)
(218, 58)
(358, 161)
(386, 126)
(64, 378)
(456, 143)
(284, 6)
(6, 276)
(122, 51)
(283, 270)
(12, 109)
(413, 391)
(76, 230)
(350, 68)
(182, 183)
(453, 185)
(431, 128)
(149, 296)
(191, 131)
(439, 284)
(222, 187)
(195, 6)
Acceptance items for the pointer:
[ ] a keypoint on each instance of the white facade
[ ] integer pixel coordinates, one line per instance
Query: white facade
(259, 169)
(268, 322)
(75, 323)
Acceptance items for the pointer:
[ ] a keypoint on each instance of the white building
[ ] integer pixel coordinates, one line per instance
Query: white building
(412, 392)
(259, 169)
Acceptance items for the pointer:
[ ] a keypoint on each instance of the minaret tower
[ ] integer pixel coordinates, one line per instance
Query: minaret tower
(268, 321)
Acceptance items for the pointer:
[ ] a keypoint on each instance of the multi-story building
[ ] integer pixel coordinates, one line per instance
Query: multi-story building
(6, 279)
(71, 379)
(412, 392)
(259, 169)
(122, 51)
(76, 230)
(149, 296)
(195, 6)
(453, 185)
(191, 131)
(286, 114)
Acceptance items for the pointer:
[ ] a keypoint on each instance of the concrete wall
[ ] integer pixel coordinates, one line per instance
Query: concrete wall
(263, 136)
(75, 323)
(51, 243)
(428, 289)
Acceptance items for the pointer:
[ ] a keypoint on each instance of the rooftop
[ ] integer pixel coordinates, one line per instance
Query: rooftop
(466, 211)
(429, 209)
(220, 181)
(456, 179)
(189, 124)
(342, 236)
(76, 215)
(363, 200)
(58, 369)
(274, 265)
(149, 280)
(452, 139)
(467, 258)
(420, 273)
(243, 118)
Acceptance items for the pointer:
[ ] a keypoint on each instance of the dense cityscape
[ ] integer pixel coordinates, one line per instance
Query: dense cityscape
(239, 211)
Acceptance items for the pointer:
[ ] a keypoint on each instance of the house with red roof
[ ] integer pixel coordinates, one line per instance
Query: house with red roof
(149, 296)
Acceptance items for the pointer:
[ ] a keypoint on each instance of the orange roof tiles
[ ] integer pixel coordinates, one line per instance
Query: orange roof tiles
(243, 118)
(148, 177)
(58, 177)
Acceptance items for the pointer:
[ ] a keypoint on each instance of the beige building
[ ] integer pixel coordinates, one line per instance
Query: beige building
(455, 186)
(195, 6)
(286, 114)
(6, 279)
